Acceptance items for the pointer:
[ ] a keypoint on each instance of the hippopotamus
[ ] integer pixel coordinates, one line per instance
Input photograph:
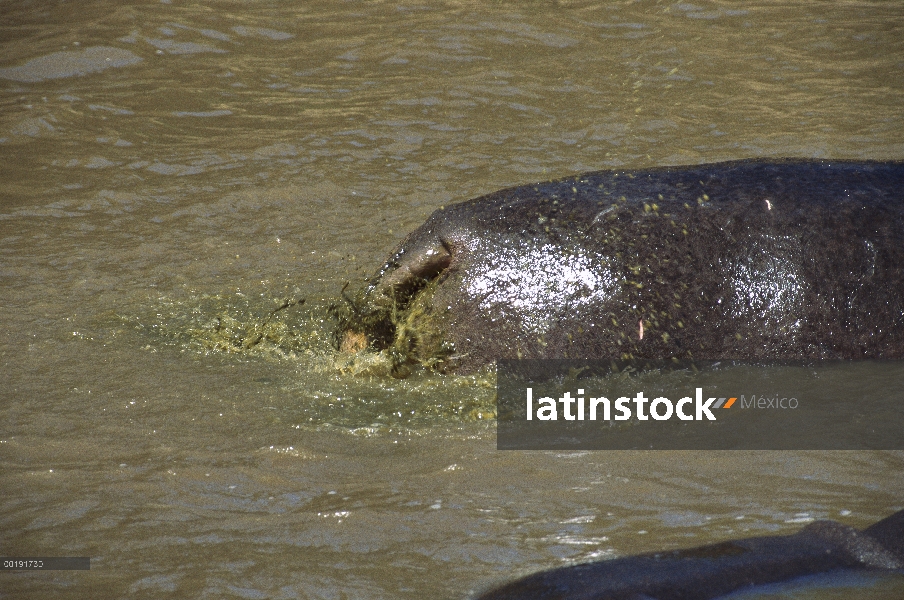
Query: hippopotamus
(718, 569)
(747, 260)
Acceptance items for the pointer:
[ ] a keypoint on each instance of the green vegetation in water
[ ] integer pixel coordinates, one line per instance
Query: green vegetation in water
(275, 327)
(403, 329)
(230, 335)
(366, 392)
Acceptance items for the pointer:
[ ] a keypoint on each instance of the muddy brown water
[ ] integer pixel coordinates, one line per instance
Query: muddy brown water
(173, 173)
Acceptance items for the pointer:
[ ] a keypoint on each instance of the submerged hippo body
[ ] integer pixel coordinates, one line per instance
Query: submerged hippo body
(744, 260)
(715, 570)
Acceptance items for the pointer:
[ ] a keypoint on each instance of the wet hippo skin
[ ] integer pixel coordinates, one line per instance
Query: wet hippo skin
(717, 569)
(758, 259)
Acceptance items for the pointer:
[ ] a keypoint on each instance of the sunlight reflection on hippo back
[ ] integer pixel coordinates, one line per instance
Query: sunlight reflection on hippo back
(767, 283)
(537, 287)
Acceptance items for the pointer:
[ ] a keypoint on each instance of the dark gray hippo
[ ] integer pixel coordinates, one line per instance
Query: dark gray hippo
(718, 569)
(746, 260)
